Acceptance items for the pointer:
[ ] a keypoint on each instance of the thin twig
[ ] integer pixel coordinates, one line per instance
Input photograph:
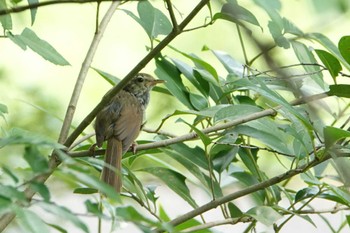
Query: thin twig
(172, 15)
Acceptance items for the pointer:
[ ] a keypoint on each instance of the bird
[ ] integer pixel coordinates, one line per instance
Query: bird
(120, 122)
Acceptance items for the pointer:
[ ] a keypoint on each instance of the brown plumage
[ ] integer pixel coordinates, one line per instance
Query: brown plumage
(120, 123)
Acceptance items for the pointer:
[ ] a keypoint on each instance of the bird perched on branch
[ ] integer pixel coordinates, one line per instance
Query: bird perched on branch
(120, 123)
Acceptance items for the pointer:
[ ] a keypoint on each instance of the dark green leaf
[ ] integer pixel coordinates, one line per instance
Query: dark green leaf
(29, 221)
(204, 138)
(199, 102)
(264, 214)
(33, 10)
(5, 205)
(41, 47)
(248, 180)
(6, 20)
(108, 77)
(222, 155)
(85, 190)
(93, 207)
(306, 193)
(37, 161)
(174, 181)
(340, 90)
(331, 62)
(58, 228)
(344, 48)
(64, 213)
(9, 172)
(174, 84)
(191, 223)
(129, 213)
(235, 212)
(333, 134)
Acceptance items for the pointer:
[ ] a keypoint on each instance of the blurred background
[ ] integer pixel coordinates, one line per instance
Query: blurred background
(37, 92)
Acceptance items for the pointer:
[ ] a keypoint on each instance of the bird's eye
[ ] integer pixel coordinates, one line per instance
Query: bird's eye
(140, 79)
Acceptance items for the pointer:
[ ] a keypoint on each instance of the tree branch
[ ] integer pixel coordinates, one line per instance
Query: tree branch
(48, 3)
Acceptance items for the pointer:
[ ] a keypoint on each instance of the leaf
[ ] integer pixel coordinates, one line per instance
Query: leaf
(152, 20)
(174, 84)
(340, 90)
(42, 189)
(344, 48)
(9, 172)
(33, 10)
(12, 193)
(204, 138)
(234, 112)
(37, 161)
(63, 213)
(264, 214)
(3, 110)
(272, 7)
(333, 134)
(199, 102)
(129, 213)
(305, 56)
(188, 224)
(174, 181)
(30, 221)
(248, 180)
(41, 47)
(85, 191)
(6, 20)
(306, 193)
(5, 205)
(289, 27)
(277, 35)
(230, 64)
(108, 77)
(233, 12)
(331, 62)
(235, 212)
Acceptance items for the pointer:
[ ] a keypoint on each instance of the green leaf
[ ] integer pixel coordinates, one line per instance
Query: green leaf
(12, 193)
(330, 61)
(340, 90)
(174, 181)
(6, 20)
(63, 213)
(191, 223)
(3, 110)
(344, 48)
(272, 7)
(264, 214)
(152, 20)
(5, 205)
(174, 84)
(204, 138)
(235, 212)
(30, 221)
(42, 189)
(37, 161)
(306, 193)
(277, 34)
(230, 64)
(289, 27)
(333, 134)
(199, 102)
(248, 180)
(41, 47)
(85, 191)
(108, 77)
(9, 172)
(305, 56)
(233, 12)
(222, 155)
(234, 112)
(33, 10)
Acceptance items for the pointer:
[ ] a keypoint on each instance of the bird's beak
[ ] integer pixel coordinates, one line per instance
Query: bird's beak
(157, 81)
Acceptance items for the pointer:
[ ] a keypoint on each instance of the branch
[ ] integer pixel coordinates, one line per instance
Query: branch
(172, 15)
(193, 135)
(48, 3)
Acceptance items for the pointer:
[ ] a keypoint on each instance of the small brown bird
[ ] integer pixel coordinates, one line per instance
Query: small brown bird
(120, 123)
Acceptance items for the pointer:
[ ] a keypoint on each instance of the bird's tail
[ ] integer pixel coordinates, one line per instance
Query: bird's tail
(111, 174)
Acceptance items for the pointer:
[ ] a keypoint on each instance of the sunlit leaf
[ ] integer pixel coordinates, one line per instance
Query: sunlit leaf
(108, 77)
(230, 64)
(6, 20)
(264, 214)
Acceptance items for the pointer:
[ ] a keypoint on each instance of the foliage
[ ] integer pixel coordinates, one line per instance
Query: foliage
(256, 131)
